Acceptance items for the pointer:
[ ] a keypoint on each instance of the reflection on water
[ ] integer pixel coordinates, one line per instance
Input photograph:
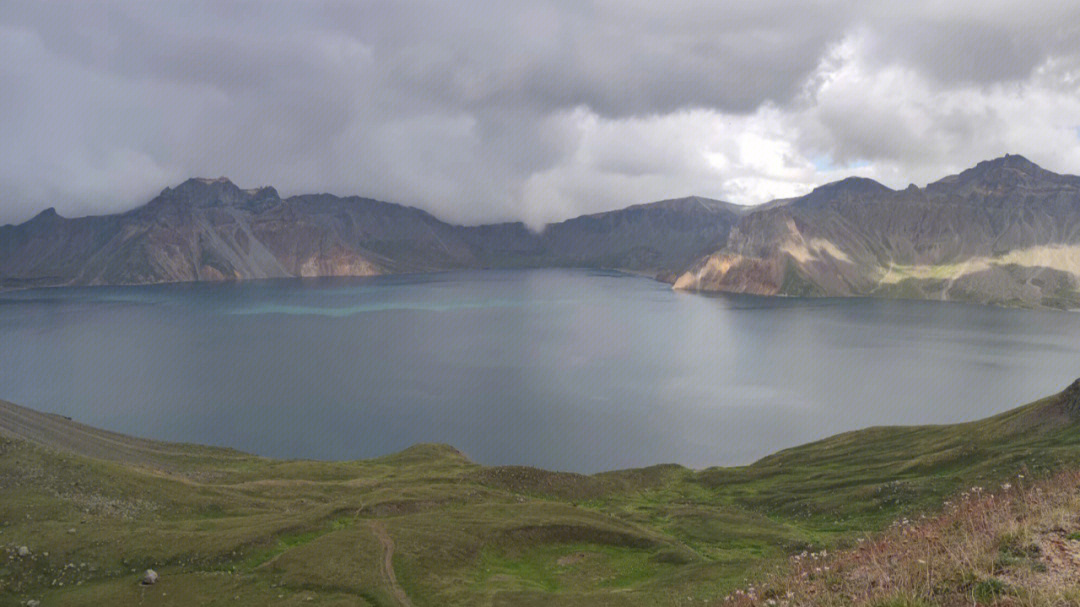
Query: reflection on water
(572, 370)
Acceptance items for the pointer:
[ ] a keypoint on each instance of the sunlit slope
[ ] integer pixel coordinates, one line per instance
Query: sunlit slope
(1005, 232)
(429, 527)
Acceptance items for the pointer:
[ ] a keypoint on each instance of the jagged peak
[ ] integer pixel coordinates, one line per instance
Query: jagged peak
(1010, 170)
(199, 184)
(206, 191)
(47, 216)
(203, 182)
(211, 180)
(1011, 161)
(263, 191)
(1007, 163)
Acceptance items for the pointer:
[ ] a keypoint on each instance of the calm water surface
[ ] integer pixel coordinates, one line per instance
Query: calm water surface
(572, 370)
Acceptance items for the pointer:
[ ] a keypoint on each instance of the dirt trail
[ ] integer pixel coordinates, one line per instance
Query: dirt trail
(388, 564)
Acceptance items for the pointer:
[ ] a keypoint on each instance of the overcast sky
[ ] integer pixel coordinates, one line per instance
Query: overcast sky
(481, 111)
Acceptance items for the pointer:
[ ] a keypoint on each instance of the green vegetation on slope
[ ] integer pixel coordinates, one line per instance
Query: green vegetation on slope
(428, 527)
(1017, 543)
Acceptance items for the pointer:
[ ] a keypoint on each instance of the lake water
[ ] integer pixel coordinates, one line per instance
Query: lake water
(570, 370)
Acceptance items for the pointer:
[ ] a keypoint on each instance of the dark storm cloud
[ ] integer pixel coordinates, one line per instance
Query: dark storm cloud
(617, 59)
(500, 110)
(980, 42)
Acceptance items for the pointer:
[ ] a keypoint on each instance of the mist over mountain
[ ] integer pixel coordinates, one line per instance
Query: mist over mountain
(1005, 231)
(212, 230)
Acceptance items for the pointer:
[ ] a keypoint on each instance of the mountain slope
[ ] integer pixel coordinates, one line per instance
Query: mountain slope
(1004, 232)
(665, 235)
(210, 229)
(94, 509)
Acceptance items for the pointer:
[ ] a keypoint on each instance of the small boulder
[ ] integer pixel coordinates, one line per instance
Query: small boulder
(33, 603)
(23, 551)
(149, 578)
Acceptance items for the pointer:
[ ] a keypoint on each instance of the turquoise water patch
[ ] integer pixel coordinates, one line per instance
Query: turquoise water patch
(391, 306)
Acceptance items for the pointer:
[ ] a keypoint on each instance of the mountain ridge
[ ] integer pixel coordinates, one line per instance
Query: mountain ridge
(1005, 231)
(211, 229)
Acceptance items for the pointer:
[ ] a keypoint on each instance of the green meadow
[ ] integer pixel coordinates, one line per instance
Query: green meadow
(428, 527)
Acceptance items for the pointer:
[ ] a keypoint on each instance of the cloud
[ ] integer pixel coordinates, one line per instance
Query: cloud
(909, 127)
(523, 110)
(739, 158)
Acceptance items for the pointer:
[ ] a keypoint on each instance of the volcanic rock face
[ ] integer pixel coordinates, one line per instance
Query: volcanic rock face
(666, 235)
(1005, 231)
(200, 230)
(211, 230)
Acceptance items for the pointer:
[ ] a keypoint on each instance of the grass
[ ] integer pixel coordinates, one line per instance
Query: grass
(554, 567)
(796, 284)
(223, 527)
(896, 273)
(1007, 546)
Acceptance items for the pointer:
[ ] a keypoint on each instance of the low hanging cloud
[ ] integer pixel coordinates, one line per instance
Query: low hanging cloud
(537, 111)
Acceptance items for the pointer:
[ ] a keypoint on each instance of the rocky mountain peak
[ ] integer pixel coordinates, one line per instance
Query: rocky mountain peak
(49, 213)
(45, 218)
(206, 184)
(1009, 164)
(263, 192)
(1008, 172)
(849, 189)
(208, 192)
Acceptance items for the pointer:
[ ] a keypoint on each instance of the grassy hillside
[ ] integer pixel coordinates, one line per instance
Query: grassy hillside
(1016, 543)
(428, 527)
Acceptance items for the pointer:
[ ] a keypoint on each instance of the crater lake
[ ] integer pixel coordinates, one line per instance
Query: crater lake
(564, 369)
